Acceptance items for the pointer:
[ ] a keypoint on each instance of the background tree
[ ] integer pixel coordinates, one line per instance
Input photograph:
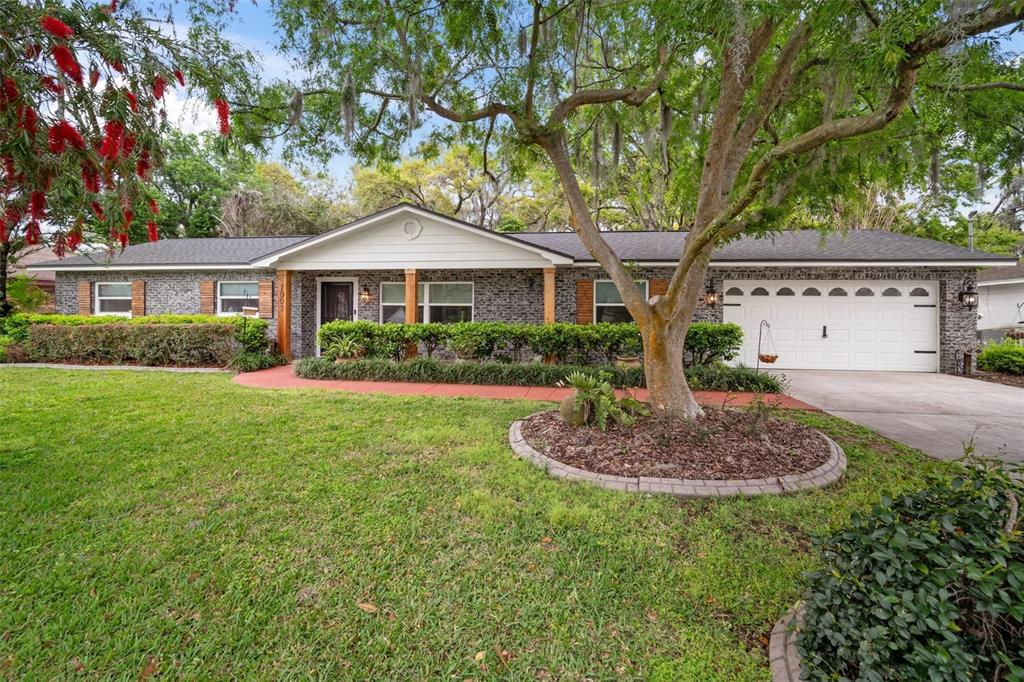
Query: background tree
(82, 92)
(770, 92)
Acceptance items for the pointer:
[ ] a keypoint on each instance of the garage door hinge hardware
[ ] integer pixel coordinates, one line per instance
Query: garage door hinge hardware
(926, 352)
(924, 305)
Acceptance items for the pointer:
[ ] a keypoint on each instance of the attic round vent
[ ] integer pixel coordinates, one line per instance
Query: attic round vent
(411, 229)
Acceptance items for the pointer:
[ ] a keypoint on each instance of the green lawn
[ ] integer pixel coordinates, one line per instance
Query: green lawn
(182, 524)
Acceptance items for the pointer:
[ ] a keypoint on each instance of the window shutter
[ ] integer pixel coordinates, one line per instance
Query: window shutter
(207, 303)
(584, 301)
(266, 303)
(138, 297)
(85, 298)
(657, 287)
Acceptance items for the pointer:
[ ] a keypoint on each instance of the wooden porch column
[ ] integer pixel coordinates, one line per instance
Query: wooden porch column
(549, 295)
(284, 313)
(411, 305)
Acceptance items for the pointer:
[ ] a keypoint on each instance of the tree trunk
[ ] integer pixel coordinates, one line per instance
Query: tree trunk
(5, 257)
(670, 395)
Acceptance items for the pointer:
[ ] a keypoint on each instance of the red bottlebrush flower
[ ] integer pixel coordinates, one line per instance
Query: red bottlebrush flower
(180, 76)
(151, 231)
(143, 165)
(133, 101)
(153, 208)
(127, 145)
(122, 238)
(75, 237)
(113, 133)
(159, 83)
(90, 178)
(72, 136)
(67, 63)
(10, 90)
(97, 210)
(4, 237)
(222, 115)
(94, 77)
(28, 119)
(113, 5)
(58, 246)
(52, 84)
(32, 233)
(56, 140)
(37, 205)
(116, 66)
(128, 216)
(55, 27)
(12, 175)
(12, 215)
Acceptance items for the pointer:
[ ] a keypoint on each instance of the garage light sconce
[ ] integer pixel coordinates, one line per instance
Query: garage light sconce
(710, 297)
(968, 294)
(364, 295)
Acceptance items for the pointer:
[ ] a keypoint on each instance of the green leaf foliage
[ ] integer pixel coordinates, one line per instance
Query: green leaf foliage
(927, 586)
(177, 345)
(1003, 356)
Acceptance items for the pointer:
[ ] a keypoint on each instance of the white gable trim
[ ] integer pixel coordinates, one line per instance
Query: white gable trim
(389, 214)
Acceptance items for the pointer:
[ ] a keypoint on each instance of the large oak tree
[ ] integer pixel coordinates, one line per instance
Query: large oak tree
(769, 91)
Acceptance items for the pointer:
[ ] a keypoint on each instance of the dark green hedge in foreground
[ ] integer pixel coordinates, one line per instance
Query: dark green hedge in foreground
(172, 345)
(701, 378)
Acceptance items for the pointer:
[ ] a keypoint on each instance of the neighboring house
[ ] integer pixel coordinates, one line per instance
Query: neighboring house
(44, 279)
(1000, 301)
(862, 300)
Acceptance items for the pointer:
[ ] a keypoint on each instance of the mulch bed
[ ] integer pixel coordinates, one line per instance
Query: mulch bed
(998, 378)
(723, 444)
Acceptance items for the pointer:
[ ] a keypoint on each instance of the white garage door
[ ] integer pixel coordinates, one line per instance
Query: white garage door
(870, 325)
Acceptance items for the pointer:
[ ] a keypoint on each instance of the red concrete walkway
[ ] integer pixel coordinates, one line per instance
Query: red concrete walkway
(284, 377)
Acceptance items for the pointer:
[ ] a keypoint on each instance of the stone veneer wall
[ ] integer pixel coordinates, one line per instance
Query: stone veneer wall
(517, 295)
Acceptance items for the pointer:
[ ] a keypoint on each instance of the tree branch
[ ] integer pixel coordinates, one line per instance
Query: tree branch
(974, 87)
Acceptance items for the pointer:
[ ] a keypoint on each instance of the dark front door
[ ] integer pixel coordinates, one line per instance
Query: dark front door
(335, 301)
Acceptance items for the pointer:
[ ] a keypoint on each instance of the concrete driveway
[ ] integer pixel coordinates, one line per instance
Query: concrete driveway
(935, 413)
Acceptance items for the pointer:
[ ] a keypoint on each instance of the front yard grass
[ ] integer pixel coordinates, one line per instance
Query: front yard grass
(181, 525)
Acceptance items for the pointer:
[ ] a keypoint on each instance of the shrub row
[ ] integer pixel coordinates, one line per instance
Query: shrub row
(179, 345)
(706, 342)
(251, 333)
(1005, 356)
(701, 378)
(928, 586)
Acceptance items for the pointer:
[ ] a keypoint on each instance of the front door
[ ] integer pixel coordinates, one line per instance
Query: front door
(335, 301)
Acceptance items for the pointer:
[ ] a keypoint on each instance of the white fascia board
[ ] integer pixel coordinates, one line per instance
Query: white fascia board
(998, 282)
(819, 264)
(268, 261)
(140, 268)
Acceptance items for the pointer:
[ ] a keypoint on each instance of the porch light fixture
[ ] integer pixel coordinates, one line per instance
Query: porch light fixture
(710, 297)
(968, 294)
(364, 295)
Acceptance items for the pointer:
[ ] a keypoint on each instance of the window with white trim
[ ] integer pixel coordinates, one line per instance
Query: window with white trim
(233, 296)
(114, 298)
(608, 305)
(437, 302)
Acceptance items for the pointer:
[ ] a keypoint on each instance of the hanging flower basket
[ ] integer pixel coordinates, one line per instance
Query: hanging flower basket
(767, 358)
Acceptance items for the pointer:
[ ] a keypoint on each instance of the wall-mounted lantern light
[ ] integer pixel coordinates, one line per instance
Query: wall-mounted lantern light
(710, 297)
(364, 295)
(968, 294)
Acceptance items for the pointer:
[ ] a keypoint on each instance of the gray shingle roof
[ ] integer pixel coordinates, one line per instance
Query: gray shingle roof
(794, 245)
(209, 251)
(800, 245)
(997, 274)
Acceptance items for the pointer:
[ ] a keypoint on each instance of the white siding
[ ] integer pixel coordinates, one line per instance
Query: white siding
(386, 246)
(997, 305)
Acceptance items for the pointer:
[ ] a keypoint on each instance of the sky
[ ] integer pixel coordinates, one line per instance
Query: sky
(252, 27)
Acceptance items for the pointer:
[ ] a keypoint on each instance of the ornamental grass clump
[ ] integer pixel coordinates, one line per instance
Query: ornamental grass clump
(928, 586)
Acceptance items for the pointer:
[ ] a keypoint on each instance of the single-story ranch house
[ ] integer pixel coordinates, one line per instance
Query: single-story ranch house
(865, 299)
(1000, 301)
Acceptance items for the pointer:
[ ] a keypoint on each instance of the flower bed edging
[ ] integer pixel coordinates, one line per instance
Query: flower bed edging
(826, 474)
(782, 653)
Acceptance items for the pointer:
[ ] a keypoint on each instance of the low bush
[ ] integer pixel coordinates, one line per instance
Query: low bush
(5, 343)
(250, 332)
(716, 378)
(928, 586)
(180, 345)
(566, 343)
(594, 402)
(1005, 356)
(246, 361)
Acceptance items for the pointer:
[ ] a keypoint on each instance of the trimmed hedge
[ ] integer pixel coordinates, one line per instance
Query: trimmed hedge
(701, 378)
(179, 345)
(1005, 356)
(250, 332)
(928, 586)
(706, 342)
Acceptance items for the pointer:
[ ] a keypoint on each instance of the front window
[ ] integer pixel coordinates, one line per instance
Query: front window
(233, 296)
(114, 298)
(608, 305)
(438, 302)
